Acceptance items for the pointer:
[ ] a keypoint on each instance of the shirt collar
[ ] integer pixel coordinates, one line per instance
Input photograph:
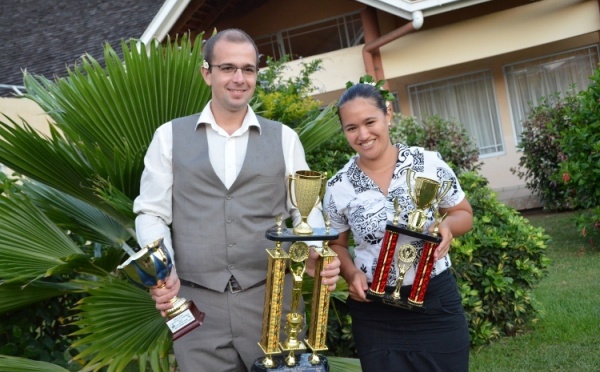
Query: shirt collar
(250, 120)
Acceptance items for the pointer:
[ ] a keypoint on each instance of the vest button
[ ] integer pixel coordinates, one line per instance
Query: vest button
(229, 220)
(228, 197)
(230, 245)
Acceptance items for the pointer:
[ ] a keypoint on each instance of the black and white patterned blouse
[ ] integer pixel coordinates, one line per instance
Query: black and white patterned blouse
(354, 201)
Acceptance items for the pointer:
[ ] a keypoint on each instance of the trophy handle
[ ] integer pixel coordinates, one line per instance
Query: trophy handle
(291, 179)
(446, 185)
(323, 185)
(410, 177)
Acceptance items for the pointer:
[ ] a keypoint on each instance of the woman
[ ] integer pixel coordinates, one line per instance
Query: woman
(360, 198)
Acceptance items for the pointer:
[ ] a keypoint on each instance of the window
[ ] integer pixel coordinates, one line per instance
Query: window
(467, 99)
(311, 39)
(527, 82)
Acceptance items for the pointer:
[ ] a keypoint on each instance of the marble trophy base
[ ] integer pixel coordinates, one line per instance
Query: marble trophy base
(287, 235)
(303, 364)
(388, 299)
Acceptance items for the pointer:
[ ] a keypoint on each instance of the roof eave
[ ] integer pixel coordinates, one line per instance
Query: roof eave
(405, 9)
(164, 20)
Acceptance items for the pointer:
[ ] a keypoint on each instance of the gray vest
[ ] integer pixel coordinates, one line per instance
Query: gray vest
(218, 232)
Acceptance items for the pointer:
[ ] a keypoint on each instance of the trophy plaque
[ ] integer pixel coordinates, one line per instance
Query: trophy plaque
(425, 193)
(306, 189)
(150, 268)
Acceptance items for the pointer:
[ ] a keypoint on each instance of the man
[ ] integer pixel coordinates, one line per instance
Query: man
(218, 179)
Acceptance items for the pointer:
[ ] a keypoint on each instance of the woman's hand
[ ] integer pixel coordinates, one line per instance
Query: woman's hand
(444, 231)
(357, 285)
(459, 220)
(164, 292)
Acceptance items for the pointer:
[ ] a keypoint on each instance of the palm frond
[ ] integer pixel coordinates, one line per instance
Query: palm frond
(108, 325)
(21, 295)
(72, 214)
(30, 243)
(315, 131)
(338, 364)
(104, 119)
(14, 364)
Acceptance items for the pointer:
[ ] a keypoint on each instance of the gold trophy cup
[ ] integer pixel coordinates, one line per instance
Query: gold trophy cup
(150, 268)
(306, 190)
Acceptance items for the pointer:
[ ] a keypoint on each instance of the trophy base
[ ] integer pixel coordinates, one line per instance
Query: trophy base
(288, 235)
(187, 321)
(303, 364)
(387, 298)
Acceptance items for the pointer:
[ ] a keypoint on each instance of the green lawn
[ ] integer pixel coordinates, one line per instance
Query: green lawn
(567, 337)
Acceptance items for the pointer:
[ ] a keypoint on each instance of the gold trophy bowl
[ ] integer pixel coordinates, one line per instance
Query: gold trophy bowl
(425, 193)
(150, 268)
(306, 189)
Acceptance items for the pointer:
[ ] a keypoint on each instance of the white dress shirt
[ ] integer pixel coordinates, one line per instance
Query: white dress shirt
(226, 153)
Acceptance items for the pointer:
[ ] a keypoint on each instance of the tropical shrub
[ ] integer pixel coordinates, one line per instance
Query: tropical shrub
(497, 264)
(580, 167)
(449, 138)
(287, 100)
(543, 152)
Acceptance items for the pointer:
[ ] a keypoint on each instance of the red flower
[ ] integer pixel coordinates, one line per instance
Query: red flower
(566, 177)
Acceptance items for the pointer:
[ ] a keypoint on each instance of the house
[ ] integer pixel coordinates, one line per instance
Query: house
(480, 62)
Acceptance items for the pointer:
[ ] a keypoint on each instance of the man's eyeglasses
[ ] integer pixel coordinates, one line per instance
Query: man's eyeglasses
(229, 69)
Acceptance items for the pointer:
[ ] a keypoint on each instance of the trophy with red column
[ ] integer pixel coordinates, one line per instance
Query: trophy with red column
(426, 194)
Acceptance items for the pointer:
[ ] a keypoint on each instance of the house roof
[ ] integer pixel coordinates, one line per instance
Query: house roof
(406, 8)
(45, 37)
(195, 16)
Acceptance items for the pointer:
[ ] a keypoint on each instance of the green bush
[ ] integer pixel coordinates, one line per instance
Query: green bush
(41, 332)
(497, 263)
(331, 156)
(580, 168)
(287, 100)
(449, 138)
(539, 165)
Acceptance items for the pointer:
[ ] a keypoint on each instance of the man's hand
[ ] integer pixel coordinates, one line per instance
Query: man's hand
(164, 292)
(330, 272)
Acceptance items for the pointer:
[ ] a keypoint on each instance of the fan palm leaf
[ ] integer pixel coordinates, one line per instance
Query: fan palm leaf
(77, 216)
(32, 246)
(106, 324)
(21, 295)
(13, 364)
(314, 131)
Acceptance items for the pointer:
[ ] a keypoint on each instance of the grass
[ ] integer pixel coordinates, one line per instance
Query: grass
(567, 335)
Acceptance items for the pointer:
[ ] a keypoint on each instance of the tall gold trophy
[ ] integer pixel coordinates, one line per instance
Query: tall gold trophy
(425, 194)
(306, 189)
